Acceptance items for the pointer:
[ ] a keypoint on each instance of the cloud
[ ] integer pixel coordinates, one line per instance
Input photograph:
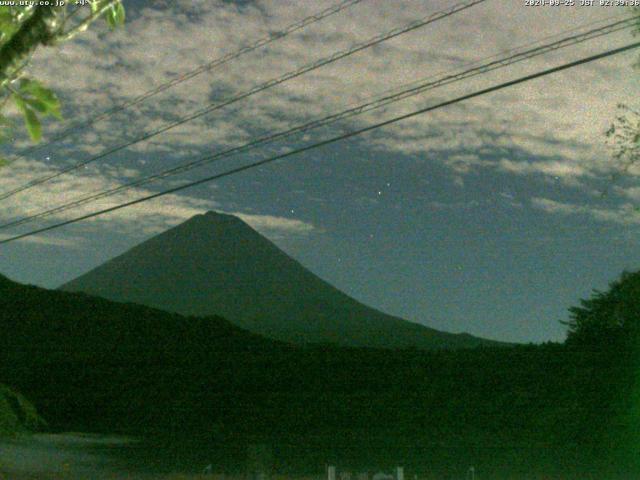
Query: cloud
(632, 193)
(164, 40)
(454, 205)
(48, 240)
(554, 168)
(555, 123)
(626, 214)
(278, 225)
(143, 219)
(510, 199)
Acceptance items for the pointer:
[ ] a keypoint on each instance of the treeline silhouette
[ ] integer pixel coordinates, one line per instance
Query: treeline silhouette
(205, 386)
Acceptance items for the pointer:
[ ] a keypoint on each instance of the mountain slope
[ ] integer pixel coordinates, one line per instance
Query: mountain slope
(49, 326)
(217, 264)
(207, 387)
(91, 363)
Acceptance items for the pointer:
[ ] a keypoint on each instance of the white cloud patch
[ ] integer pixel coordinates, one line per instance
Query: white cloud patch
(144, 219)
(625, 214)
(632, 193)
(166, 41)
(48, 240)
(278, 225)
(558, 121)
(454, 205)
(569, 172)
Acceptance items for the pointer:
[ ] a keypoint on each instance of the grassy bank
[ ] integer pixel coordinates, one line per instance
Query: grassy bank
(17, 414)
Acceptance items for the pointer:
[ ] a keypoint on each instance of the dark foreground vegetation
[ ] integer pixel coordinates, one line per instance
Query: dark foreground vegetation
(208, 390)
(17, 414)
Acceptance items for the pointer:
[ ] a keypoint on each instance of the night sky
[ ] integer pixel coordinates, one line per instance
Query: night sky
(486, 217)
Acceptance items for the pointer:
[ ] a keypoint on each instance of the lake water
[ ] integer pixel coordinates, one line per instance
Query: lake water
(77, 456)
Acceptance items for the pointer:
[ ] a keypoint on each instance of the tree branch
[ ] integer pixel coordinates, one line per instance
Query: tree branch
(82, 26)
(33, 32)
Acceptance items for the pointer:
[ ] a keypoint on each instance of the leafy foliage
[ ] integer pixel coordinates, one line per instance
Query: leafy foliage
(623, 137)
(608, 317)
(22, 30)
(114, 14)
(205, 385)
(16, 413)
(10, 20)
(32, 98)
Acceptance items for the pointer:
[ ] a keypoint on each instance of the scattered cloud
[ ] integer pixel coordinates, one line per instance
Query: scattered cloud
(454, 205)
(556, 124)
(144, 219)
(625, 214)
(270, 224)
(48, 240)
(632, 193)
(554, 168)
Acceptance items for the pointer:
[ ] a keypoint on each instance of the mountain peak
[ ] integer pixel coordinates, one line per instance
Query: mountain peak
(216, 264)
(213, 217)
(220, 216)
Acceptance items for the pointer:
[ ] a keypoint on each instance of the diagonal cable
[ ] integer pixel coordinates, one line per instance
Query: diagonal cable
(348, 113)
(332, 140)
(77, 126)
(260, 88)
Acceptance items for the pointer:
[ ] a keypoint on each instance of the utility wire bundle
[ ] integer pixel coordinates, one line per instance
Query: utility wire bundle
(500, 61)
(378, 39)
(345, 114)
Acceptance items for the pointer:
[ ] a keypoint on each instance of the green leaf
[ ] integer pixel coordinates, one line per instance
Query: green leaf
(37, 105)
(30, 119)
(115, 15)
(120, 14)
(110, 18)
(6, 21)
(37, 89)
(8, 25)
(40, 97)
(33, 125)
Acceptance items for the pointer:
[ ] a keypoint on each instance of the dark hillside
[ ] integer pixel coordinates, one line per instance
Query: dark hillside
(216, 264)
(205, 385)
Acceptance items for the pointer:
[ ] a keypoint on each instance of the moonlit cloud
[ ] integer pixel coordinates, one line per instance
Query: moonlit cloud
(632, 193)
(48, 240)
(278, 225)
(146, 219)
(626, 214)
(164, 39)
(469, 184)
(555, 168)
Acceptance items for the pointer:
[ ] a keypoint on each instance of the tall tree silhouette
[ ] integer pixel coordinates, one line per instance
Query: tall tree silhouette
(608, 317)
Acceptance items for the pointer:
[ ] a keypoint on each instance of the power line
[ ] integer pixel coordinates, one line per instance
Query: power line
(294, 27)
(262, 87)
(345, 136)
(608, 21)
(348, 113)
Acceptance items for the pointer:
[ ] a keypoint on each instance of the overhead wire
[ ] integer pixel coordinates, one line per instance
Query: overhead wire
(377, 103)
(211, 65)
(376, 40)
(332, 140)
